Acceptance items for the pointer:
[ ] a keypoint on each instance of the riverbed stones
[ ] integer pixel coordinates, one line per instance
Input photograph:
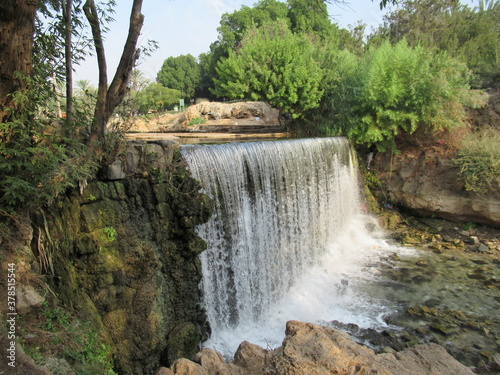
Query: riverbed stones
(312, 349)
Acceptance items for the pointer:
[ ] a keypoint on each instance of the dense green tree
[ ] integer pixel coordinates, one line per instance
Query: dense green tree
(472, 36)
(156, 97)
(37, 159)
(180, 73)
(273, 65)
(404, 90)
(311, 17)
(231, 30)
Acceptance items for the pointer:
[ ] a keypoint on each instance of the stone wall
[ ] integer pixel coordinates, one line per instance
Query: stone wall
(124, 251)
(428, 184)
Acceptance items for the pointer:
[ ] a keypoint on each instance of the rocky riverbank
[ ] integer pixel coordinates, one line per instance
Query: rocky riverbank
(448, 292)
(312, 349)
(446, 320)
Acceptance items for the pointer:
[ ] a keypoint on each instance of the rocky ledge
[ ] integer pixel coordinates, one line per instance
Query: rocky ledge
(428, 184)
(312, 349)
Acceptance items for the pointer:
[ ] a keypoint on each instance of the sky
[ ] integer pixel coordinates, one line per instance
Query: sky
(190, 26)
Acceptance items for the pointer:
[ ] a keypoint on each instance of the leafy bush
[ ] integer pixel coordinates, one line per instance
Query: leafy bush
(38, 161)
(393, 91)
(274, 65)
(410, 90)
(479, 160)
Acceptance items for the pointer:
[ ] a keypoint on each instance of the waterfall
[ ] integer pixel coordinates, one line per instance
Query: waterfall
(288, 215)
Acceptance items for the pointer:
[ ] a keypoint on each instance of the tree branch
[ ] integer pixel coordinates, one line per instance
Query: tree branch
(119, 86)
(98, 126)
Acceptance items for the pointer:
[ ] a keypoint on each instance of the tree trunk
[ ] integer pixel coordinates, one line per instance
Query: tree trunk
(17, 26)
(67, 8)
(109, 99)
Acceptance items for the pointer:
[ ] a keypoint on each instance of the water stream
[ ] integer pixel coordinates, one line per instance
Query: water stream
(289, 239)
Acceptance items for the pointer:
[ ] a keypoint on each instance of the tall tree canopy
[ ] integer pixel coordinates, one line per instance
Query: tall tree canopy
(37, 159)
(180, 73)
(471, 35)
(274, 65)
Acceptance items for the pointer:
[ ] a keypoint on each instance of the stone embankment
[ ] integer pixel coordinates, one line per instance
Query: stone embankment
(315, 350)
(428, 184)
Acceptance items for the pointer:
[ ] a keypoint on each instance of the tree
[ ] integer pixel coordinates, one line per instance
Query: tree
(17, 27)
(231, 30)
(274, 65)
(311, 17)
(156, 97)
(473, 36)
(109, 98)
(180, 73)
(407, 91)
(37, 160)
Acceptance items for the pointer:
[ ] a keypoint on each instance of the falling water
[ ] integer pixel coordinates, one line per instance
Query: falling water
(287, 239)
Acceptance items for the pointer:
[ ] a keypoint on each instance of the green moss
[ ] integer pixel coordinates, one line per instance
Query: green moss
(182, 342)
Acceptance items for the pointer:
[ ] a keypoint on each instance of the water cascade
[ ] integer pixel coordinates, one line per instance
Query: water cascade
(287, 240)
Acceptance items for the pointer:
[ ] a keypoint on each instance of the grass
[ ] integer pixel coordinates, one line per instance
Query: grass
(53, 331)
(478, 160)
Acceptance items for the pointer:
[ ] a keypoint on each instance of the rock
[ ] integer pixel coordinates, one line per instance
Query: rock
(127, 261)
(28, 299)
(164, 371)
(186, 367)
(115, 170)
(473, 240)
(247, 112)
(312, 349)
(213, 361)
(429, 185)
(182, 341)
(483, 248)
(249, 356)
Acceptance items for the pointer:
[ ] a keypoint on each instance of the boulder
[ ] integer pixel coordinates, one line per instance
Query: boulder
(28, 299)
(429, 185)
(259, 112)
(315, 350)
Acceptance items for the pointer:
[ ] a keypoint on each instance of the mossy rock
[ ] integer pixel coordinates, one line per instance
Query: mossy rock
(182, 342)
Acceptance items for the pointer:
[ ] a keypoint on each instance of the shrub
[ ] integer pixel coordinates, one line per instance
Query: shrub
(409, 90)
(479, 160)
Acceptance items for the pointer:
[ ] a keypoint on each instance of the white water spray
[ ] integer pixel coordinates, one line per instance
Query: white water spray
(287, 239)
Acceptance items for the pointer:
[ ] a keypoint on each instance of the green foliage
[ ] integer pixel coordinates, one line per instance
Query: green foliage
(110, 233)
(36, 162)
(470, 35)
(335, 114)
(273, 65)
(197, 121)
(55, 318)
(180, 73)
(62, 333)
(156, 97)
(408, 90)
(311, 17)
(478, 160)
(89, 348)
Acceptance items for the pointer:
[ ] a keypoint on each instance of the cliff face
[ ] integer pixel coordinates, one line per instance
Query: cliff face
(125, 252)
(428, 184)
